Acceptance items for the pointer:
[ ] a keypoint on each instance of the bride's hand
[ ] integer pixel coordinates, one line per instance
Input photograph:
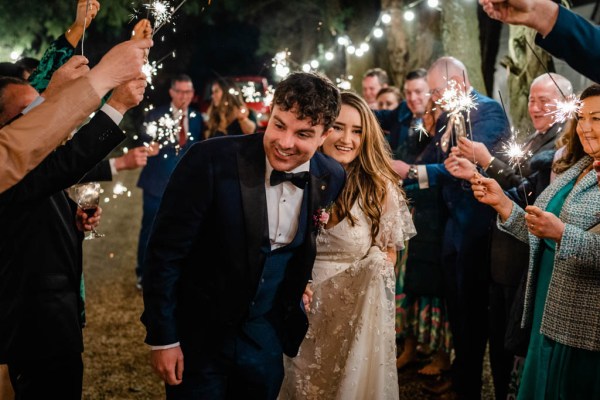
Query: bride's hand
(307, 298)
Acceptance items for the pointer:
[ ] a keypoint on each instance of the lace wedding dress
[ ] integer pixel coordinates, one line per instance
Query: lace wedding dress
(349, 351)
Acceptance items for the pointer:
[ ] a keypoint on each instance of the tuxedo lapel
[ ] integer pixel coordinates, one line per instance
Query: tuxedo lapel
(251, 169)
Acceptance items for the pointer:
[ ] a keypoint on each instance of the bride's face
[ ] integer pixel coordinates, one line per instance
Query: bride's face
(343, 144)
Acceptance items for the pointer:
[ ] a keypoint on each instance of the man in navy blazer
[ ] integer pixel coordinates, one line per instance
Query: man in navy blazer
(465, 253)
(561, 32)
(232, 249)
(155, 175)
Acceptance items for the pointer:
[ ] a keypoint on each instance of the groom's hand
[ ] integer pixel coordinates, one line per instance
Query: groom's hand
(168, 364)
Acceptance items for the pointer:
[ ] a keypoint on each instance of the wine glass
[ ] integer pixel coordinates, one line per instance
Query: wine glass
(87, 196)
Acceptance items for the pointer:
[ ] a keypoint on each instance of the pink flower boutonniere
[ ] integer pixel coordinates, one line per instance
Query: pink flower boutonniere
(321, 217)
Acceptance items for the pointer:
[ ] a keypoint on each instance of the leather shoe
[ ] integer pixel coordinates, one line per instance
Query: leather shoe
(438, 387)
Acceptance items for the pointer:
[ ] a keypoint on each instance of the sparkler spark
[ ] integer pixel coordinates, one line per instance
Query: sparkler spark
(455, 99)
(515, 154)
(165, 131)
(565, 109)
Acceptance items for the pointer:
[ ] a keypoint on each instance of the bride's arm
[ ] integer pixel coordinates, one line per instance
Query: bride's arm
(392, 254)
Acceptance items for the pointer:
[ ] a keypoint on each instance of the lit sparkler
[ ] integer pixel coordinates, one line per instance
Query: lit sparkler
(165, 131)
(455, 99)
(565, 109)
(515, 154)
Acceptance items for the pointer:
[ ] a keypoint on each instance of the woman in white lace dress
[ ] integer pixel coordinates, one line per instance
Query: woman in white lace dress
(349, 351)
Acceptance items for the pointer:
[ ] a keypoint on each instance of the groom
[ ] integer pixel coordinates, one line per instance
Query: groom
(233, 246)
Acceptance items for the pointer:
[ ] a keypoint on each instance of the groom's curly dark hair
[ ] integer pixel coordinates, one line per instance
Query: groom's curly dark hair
(309, 95)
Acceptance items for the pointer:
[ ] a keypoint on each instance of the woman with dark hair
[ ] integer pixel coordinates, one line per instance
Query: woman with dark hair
(349, 350)
(561, 299)
(228, 114)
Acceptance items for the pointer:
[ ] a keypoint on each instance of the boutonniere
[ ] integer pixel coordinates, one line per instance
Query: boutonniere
(321, 217)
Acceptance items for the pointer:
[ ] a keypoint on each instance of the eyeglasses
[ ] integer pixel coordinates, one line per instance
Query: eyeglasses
(178, 91)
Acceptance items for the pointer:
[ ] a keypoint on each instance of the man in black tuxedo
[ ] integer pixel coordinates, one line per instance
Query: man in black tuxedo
(40, 259)
(233, 246)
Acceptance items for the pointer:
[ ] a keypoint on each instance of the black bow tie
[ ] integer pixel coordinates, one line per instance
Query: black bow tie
(299, 179)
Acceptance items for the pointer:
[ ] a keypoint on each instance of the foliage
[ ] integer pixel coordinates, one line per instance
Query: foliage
(30, 25)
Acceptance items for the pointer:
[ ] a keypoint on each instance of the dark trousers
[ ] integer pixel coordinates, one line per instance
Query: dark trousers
(52, 378)
(241, 370)
(150, 209)
(501, 360)
(466, 285)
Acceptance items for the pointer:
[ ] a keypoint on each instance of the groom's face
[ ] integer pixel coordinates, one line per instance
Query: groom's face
(289, 142)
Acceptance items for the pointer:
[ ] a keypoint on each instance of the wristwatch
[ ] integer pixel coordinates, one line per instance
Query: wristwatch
(413, 172)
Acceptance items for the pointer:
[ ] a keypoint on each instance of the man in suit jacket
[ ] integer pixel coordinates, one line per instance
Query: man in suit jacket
(561, 32)
(233, 246)
(40, 260)
(465, 254)
(155, 175)
(25, 142)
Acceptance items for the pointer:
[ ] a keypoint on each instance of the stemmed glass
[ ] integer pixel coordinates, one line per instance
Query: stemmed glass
(87, 196)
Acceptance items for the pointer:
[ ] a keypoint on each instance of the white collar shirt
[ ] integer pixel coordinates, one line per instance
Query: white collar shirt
(284, 202)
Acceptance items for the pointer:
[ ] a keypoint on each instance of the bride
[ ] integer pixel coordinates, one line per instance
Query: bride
(349, 351)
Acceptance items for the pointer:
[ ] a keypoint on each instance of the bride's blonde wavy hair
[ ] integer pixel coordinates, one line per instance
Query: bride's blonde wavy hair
(370, 172)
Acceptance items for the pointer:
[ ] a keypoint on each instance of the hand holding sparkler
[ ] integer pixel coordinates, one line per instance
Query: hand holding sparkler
(540, 15)
(129, 94)
(142, 30)
(459, 167)
(401, 168)
(134, 158)
(474, 150)
(543, 224)
(121, 64)
(86, 12)
(74, 68)
(488, 191)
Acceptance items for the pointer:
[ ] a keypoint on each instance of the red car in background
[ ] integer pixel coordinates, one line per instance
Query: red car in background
(254, 89)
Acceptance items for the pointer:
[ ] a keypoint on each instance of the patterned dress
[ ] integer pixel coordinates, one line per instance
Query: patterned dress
(349, 350)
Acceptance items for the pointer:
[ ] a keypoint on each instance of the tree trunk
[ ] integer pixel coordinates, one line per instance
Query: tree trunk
(460, 37)
(414, 44)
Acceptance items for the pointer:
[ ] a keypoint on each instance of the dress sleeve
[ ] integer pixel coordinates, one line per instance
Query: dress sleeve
(396, 224)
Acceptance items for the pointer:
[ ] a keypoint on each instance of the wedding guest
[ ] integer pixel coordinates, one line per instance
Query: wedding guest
(165, 155)
(373, 81)
(25, 142)
(509, 256)
(388, 98)
(465, 253)
(561, 302)
(232, 249)
(349, 350)
(228, 113)
(41, 335)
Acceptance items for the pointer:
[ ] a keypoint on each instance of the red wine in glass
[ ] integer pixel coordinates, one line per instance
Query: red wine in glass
(90, 211)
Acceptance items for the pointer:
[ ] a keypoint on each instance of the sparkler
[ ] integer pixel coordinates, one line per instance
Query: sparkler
(87, 7)
(565, 109)
(513, 151)
(165, 131)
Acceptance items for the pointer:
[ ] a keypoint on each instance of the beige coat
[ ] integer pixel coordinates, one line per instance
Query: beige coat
(28, 140)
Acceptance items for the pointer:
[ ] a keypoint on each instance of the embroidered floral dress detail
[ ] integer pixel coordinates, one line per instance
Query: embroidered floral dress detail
(349, 351)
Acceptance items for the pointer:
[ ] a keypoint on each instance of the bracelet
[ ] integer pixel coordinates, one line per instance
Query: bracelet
(489, 163)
